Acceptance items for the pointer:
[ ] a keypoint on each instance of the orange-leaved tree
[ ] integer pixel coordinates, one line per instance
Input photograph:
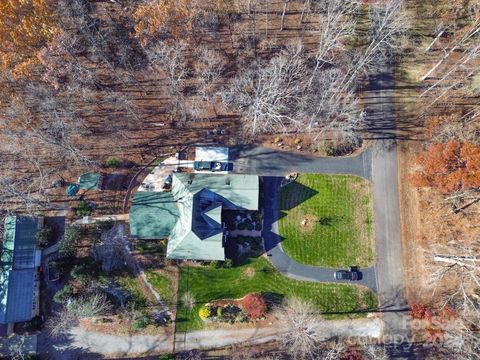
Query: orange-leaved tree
(25, 26)
(448, 167)
(173, 17)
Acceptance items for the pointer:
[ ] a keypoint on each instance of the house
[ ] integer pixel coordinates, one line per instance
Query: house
(19, 279)
(190, 215)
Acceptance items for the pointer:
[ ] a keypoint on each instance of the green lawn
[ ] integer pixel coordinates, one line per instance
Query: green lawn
(207, 284)
(163, 284)
(326, 220)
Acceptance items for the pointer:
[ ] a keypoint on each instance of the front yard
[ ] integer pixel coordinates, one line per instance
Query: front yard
(327, 220)
(258, 276)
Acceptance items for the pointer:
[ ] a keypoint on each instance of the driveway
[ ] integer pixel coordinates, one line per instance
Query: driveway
(282, 262)
(249, 159)
(380, 108)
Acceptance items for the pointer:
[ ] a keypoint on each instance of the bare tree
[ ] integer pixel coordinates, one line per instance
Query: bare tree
(269, 96)
(335, 27)
(299, 319)
(88, 306)
(460, 265)
(171, 59)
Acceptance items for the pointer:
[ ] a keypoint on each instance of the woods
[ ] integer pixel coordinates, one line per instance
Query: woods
(111, 86)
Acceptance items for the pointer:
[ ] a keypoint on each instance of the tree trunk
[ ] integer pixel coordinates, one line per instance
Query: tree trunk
(283, 14)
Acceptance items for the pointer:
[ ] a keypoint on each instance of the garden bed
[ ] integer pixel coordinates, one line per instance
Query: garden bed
(207, 284)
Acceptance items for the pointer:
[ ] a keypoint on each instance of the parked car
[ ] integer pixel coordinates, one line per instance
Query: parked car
(210, 166)
(351, 274)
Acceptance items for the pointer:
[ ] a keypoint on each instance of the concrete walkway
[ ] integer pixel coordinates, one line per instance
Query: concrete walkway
(282, 262)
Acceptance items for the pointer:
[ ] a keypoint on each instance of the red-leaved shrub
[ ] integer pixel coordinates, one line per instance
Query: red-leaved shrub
(254, 305)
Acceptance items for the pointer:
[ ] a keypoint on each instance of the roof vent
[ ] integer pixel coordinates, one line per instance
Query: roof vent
(227, 181)
(190, 179)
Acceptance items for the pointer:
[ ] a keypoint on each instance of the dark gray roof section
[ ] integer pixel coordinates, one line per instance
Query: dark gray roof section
(17, 269)
(20, 296)
(25, 242)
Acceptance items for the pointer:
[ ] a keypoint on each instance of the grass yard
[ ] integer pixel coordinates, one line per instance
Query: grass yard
(207, 284)
(163, 282)
(327, 220)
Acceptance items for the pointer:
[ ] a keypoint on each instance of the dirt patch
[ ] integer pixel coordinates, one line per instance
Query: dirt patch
(249, 272)
(307, 224)
(121, 326)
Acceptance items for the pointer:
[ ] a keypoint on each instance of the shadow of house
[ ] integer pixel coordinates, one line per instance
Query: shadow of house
(294, 194)
(273, 204)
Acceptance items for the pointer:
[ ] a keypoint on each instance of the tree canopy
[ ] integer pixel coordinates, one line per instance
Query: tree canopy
(25, 26)
(448, 167)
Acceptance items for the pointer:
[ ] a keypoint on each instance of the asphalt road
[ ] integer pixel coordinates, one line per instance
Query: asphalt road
(380, 108)
(248, 159)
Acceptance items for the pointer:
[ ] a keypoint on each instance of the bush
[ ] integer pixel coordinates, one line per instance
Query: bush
(257, 216)
(44, 236)
(240, 240)
(70, 240)
(215, 264)
(83, 209)
(242, 226)
(258, 226)
(228, 263)
(241, 317)
(205, 312)
(219, 312)
(112, 162)
(141, 322)
(254, 305)
(63, 294)
(250, 226)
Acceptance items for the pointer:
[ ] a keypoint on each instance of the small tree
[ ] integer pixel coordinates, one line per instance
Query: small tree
(70, 241)
(63, 294)
(44, 236)
(254, 305)
(448, 167)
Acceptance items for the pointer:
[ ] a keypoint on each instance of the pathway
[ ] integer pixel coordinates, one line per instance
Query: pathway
(367, 327)
(127, 345)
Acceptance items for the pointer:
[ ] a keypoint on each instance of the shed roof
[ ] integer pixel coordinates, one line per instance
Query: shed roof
(17, 269)
(153, 215)
(211, 153)
(89, 181)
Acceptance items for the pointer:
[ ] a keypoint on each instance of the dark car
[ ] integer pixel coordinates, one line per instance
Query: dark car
(210, 165)
(350, 274)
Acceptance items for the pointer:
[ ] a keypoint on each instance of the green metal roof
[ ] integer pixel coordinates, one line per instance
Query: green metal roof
(201, 198)
(192, 213)
(17, 271)
(153, 215)
(89, 181)
(240, 191)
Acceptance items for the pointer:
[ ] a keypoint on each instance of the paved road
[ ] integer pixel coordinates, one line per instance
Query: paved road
(380, 108)
(263, 161)
(281, 261)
